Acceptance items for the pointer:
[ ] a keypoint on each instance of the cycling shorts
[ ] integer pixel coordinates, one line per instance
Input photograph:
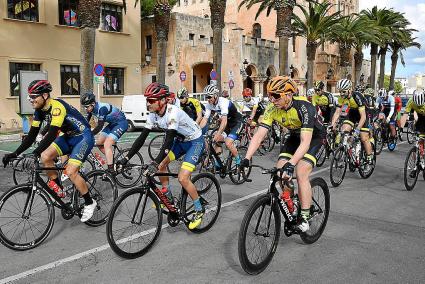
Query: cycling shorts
(291, 144)
(115, 130)
(77, 147)
(232, 130)
(191, 149)
(354, 117)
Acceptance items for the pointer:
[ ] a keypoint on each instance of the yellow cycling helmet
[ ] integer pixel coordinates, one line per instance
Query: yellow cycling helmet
(282, 85)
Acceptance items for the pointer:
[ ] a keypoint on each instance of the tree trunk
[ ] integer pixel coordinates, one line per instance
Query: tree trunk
(358, 62)
(345, 63)
(161, 53)
(284, 10)
(218, 9)
(394, 60)
(382, 54)
(283, 55)
(218, 54)
(373, 55)
(311, 56)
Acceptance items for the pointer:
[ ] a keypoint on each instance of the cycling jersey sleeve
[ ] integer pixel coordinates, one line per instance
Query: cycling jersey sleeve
(359, 100)
(268, 116)
(138, 143)
(27, 142)
(307, 115)
(331, 102)
(103, 113)
(197, 106)
(173, 119)
(207, 111)
(149, 121)
(58, 114)
(224, 105)
(339, 102)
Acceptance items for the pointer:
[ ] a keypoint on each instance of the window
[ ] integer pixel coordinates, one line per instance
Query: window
(26, 10)
(70, 80)
(192, 39)
(211, 40)
(68, 13)
(201, 36)
(256, 30)
(148, 42)
(114, 81)
(111, 17)
(153, 78)
(14, 74)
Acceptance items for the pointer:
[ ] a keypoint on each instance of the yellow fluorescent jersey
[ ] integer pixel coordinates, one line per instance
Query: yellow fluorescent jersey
(301, 116)
(324, 100)
(356, 101)
(411, 106)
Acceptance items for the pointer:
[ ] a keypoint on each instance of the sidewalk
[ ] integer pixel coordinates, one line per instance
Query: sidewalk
(10, 137)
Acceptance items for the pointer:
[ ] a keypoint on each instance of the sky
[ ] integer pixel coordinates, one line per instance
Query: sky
(414, 11)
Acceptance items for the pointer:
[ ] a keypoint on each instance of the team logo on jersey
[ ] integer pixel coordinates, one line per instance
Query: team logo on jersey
(56, 112)
(172, 121)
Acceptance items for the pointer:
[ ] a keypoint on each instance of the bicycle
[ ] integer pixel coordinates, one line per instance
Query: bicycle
(411, 131)
(413, 165)
(29, 209)
(327, 147)
(353, 155)
(211, 162)
(247, 133)
(260, 226)
(136, 217)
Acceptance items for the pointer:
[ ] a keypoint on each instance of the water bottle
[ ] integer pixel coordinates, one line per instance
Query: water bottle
(56, 188)
(286, 195)
(99, 158)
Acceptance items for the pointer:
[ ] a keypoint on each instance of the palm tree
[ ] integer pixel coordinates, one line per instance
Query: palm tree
(284, 11)
(402, 40)
(316, 27)
(353, 32)
(218, 9)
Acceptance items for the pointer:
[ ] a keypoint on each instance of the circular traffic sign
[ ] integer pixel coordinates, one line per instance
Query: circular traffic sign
(182, 76)
(213, 75)
(99, 70)
(231, 84)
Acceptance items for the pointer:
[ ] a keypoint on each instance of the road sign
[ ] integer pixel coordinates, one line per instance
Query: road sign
(182, 76)
(213, 82)
(99, 79)
(230, 74)
(99, 70)
(231, 84)
(213, 75)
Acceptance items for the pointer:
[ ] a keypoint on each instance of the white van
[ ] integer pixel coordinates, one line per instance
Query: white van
(135, 110)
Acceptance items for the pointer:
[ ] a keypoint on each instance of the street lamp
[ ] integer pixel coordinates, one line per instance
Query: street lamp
(291, 68)
(170, 69)
(329, 73)
(243, 69)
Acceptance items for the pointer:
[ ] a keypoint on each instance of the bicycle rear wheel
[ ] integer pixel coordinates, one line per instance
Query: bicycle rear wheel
(155, 145)
(366, 170)
(322, 156)
(20, 232)
(135, 223)
(210, 195)
(259, 235)
(338, 167)
(411, 169)
(410, 132)
(236, 174)
(131, 173)
(319, 210)
(378, 140)
(102, 188)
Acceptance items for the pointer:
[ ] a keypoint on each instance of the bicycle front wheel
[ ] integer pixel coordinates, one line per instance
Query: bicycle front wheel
(155, 145)
(21, 230)
(322, 156)
(410, 132)
(319, 210)
(338, 167)
(259, 235)
(411, 169)
(135, 223)
(210, 195)
(378, 140)
(131, 173)
(236, 174)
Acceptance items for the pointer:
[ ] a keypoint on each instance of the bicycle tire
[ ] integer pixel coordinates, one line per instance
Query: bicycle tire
(155, 145)
(104, 194)
(410, 132)
(256, 266)
(322, 156)
(317, 209)
(116, 237)
(211, 205)
(362, 168)
(406, 173)
(338, 157)
(21, 172)
(236, 175)
(25, 189)
(207, 164)
(130, 176)
(379, 141)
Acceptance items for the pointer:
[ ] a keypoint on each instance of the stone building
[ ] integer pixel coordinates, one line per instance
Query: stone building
(250, 48)
(46, 37)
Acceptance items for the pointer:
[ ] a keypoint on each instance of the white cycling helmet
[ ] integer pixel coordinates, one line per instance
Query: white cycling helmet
(382, 93)
(310, 93)
(391, 93)
(211, 90)
(344, 85)
(419, 98)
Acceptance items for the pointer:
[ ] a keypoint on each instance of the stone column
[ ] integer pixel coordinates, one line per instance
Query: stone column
(258, 84)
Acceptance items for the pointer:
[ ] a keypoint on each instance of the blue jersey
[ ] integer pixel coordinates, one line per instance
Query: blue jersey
(108, 113)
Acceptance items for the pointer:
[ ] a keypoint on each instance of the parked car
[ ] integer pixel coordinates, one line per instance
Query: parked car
(135, 110)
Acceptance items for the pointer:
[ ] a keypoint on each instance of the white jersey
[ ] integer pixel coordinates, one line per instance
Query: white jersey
(252, 103)
(175, 118)
(224, 107)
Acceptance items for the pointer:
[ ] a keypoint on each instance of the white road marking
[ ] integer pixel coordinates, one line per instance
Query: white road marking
(106, 246)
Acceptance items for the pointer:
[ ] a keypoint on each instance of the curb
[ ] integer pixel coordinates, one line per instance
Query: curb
(10, 137)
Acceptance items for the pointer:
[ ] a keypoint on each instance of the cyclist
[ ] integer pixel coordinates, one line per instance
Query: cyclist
(310, 94)
(110, 134)
(356, 114)
(76, 140)
(324, 101)
(193, 107)
(387, 105)
(182, 137)
(398, 106)
(254, 105)
(230, 120)
(173, 99)
(417, 105)
(306, 132)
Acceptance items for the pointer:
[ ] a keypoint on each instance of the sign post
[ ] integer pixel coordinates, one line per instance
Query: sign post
(99, 71)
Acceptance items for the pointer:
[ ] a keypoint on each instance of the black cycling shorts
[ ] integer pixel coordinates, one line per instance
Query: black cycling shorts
(292, 142)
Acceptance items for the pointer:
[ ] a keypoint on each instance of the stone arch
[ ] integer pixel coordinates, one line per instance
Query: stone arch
(256, 30)
(251, 72)
(201, 75)
(270, 73)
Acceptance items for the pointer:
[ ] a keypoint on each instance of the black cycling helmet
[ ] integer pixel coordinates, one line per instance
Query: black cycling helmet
(319, 86)
(39, 87)
(87, 99)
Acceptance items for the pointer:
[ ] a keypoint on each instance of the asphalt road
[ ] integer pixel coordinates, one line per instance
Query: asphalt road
(375, 234)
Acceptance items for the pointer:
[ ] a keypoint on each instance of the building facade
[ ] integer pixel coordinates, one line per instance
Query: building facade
(45, 36)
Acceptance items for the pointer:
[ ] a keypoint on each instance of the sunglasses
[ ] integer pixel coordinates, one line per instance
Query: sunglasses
(33, 97)
(87, 106)
(152, 101)
(209, 97)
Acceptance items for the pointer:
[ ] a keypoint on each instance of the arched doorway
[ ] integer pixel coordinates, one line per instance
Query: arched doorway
(201, 76)
(270, 73)
(251, 71)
